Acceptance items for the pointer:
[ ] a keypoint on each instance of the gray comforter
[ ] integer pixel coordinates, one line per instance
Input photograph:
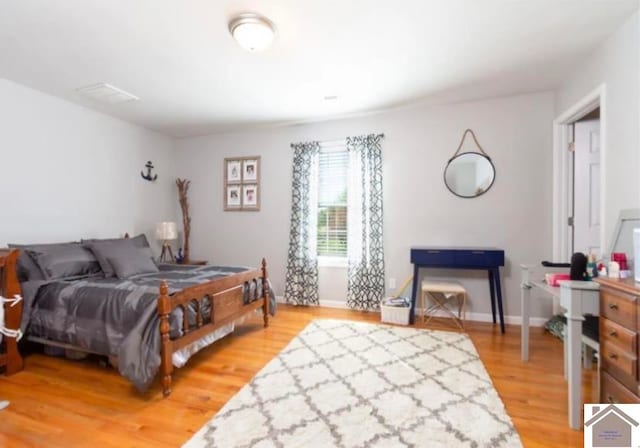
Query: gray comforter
(115, 317)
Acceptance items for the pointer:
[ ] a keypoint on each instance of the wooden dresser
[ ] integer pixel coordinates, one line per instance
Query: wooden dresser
(619, 326)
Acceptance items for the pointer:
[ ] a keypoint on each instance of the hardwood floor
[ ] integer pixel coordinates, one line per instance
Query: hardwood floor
(62, 403)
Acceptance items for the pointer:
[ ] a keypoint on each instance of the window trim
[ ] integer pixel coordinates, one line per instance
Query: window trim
(328, 261)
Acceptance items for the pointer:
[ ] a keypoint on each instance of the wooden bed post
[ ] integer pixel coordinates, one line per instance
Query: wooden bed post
(13, 314)
(166, 352)
(265, 294)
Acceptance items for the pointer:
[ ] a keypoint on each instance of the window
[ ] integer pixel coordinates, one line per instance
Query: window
(332, 202)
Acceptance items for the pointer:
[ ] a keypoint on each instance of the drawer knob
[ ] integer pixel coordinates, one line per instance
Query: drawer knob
(613, 356)
(613, 306)
(610, 399)
(613, 334)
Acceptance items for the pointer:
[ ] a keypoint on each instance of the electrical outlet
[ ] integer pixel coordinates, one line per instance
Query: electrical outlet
(392, 283)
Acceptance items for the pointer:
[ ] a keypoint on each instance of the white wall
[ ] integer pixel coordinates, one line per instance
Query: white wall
(419, 210)
(69, 172)
(615, 63)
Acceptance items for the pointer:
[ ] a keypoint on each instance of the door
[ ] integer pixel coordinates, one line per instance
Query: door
(586, 192)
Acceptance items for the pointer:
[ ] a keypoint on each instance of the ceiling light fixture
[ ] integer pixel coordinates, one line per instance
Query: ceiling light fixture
(253, 32)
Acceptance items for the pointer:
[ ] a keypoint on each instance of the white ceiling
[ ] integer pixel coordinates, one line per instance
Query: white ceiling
(193, 79)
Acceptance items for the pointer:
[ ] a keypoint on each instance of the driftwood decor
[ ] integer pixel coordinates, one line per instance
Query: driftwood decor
(183, 190)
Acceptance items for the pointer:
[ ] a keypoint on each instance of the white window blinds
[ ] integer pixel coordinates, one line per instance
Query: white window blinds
(332, 202)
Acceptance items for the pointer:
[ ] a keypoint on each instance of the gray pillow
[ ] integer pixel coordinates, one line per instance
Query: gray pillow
(64, 260)
(107, 250)
(27, 268)
(140, 240)
(132, 261)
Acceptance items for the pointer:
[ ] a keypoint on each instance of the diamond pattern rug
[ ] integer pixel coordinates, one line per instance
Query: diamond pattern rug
(351, 384)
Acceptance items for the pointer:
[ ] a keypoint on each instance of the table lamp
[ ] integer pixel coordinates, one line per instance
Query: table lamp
(165, 232)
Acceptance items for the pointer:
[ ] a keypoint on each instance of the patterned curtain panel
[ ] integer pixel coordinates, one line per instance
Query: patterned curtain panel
(302, 263)
(365, 251)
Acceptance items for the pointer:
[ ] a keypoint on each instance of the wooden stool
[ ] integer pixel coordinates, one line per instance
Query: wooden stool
(440, 293)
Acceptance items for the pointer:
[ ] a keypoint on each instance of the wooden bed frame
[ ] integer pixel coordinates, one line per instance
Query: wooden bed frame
(226, 296)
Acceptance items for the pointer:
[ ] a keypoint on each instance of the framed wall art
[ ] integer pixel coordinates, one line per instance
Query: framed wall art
(234, 200)
(233, 171)
(250, 196)
(242, 183)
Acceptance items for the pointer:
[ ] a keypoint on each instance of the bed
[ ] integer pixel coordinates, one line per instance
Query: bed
(147, 322)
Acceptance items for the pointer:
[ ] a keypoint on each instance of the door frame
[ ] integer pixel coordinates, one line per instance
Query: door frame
(562, 169)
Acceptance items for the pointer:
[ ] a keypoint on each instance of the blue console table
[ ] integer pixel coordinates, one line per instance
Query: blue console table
(484, 258)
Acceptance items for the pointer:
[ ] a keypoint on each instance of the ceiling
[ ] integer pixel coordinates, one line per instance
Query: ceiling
(193, 79)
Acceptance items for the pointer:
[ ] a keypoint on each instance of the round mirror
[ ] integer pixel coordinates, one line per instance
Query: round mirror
(469, 174)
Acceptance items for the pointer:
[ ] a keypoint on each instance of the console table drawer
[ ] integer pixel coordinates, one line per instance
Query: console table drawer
(612, 391)
(432, 257)
(613, 333)
(618, 307)
(473, 258)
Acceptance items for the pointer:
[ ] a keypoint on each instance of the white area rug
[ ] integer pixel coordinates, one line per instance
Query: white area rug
(351, 384)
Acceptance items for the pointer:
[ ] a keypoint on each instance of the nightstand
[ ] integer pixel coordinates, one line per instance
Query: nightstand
(10, 357)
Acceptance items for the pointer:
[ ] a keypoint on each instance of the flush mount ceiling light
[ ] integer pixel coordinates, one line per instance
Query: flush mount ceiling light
(252, 31)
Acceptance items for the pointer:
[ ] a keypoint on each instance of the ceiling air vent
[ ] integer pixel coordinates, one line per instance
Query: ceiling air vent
(106, 93)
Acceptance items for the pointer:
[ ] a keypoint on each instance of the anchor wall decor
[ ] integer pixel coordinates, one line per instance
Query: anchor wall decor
(148, 176)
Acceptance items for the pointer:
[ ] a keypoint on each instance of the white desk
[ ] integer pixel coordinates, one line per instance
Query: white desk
(578, 299)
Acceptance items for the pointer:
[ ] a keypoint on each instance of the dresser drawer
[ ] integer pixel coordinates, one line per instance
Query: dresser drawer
(621, 364)
(614, 333)
(618, 307)
(612, 391)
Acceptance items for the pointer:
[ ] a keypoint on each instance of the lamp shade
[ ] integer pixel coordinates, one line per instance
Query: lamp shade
(166, 231)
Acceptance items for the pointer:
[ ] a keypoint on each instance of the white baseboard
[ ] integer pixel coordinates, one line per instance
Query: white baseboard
(334, 304)
(511, 320)
(476, 317)
(339, 304)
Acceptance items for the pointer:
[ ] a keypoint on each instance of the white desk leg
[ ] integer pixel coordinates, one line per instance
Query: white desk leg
(565, 347)
(525, 303)
(574, 364)
(578, 298)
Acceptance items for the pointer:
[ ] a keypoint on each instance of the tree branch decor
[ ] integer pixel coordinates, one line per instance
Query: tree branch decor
(183, 190)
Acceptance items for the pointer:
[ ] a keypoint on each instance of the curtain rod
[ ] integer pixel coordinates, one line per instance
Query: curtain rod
(338, 142)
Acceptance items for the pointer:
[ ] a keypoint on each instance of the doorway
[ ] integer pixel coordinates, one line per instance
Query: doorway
(579, 177)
